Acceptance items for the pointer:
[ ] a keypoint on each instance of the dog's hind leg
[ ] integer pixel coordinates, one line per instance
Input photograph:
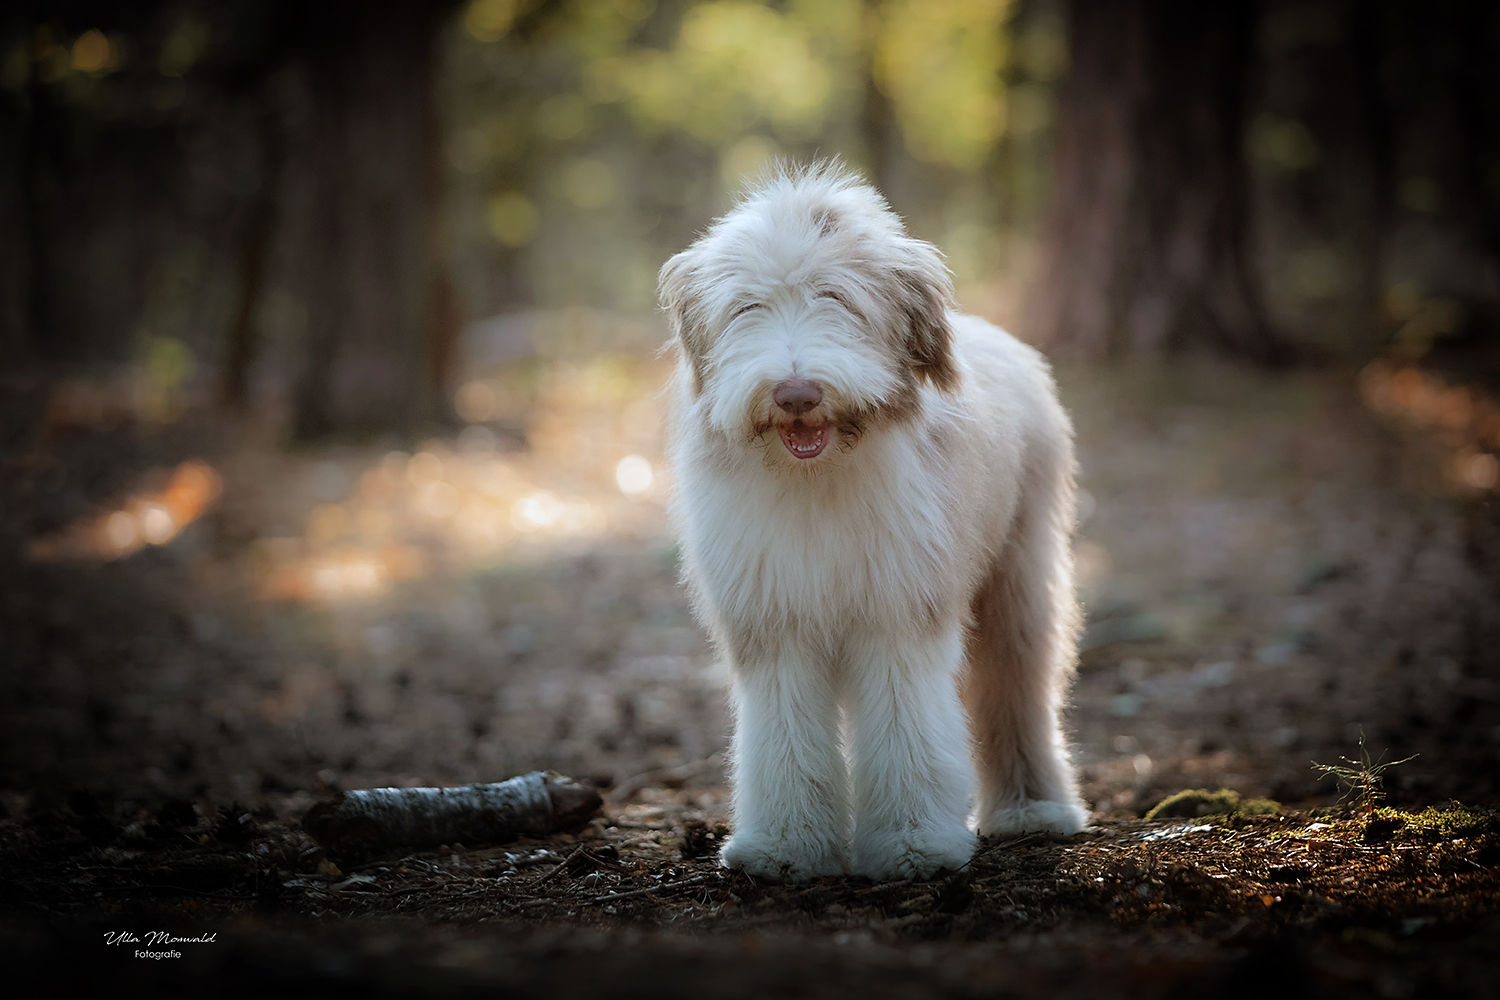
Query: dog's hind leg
(1021, 655)
(790, 780)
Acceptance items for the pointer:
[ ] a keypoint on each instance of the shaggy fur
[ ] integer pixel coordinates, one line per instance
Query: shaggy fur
(875, 501)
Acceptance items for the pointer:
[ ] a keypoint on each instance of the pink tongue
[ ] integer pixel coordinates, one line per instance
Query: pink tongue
(803, 440)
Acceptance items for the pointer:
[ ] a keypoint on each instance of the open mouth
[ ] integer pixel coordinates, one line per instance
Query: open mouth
(805, 440)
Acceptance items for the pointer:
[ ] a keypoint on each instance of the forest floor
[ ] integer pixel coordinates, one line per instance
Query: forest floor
(1270, 573)
(1396, 905)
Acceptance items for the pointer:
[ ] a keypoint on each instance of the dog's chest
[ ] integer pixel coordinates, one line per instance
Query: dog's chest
(833, 555)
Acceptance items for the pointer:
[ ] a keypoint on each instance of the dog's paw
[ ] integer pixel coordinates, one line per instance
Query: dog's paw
(913, 853)
(1035, 816)
(780, 859)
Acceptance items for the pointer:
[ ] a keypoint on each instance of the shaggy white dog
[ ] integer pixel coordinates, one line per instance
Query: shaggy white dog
(875, 500)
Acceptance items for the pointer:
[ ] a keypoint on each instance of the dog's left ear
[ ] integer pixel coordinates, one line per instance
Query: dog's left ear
(927, 295)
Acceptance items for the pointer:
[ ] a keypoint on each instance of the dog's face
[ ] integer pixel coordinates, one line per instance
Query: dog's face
(808, 318)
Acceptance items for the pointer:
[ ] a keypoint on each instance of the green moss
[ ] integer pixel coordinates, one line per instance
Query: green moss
(1194, 803)
(1447, 823)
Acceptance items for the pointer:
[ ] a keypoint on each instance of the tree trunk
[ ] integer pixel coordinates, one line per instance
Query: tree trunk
(1144, 246)
(241, 350)
(373, 284)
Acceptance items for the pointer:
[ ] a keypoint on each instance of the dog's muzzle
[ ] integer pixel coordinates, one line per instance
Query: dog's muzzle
(805, 436)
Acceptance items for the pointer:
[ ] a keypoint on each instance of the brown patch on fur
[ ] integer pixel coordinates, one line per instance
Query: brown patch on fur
(754, 642)
(934, 619)
(751, 643)
(929, 338)
(827, 220)
(905, 405)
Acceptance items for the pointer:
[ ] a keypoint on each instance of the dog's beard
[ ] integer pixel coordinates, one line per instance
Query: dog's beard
(807, 442)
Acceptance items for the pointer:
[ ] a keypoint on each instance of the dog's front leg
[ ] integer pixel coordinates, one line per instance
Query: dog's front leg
(791, 784)
(912, 774)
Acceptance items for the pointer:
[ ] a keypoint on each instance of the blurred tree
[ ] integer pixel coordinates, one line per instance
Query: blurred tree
(275, 194)
(1276, 179)
(381, 323)
(253, 185)
(1144, 249)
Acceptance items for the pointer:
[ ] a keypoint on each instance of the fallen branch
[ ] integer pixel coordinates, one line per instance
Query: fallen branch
(378, 818)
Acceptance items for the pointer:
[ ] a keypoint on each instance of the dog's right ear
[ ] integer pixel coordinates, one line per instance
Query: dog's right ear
(686, 312)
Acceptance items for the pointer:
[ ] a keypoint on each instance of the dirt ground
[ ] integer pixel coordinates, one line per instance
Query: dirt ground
(1269, 569)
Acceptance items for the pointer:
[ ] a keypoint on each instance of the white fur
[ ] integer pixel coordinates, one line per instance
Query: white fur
(898, 611)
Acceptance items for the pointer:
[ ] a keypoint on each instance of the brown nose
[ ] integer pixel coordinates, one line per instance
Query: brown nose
(798, 395)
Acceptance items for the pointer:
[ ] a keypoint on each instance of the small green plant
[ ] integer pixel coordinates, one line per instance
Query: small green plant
(1362, 778)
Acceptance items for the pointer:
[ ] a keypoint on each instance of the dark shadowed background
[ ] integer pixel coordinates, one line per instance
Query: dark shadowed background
(330, 437)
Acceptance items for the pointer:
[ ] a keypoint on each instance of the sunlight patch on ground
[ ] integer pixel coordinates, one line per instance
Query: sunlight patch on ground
(461, 504)
(152, 515)
(590, 469)
(1467, 421)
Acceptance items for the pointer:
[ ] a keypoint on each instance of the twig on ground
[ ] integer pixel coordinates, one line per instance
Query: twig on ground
(611, 897)
(992, 848)
(528, 904)
(558, 867)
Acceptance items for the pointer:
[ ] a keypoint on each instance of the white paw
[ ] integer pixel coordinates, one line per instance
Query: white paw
(916, 854)
(1035, 816)
(780, 859)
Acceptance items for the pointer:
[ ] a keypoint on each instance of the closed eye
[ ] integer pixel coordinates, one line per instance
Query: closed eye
(746, 308)
(840, 299)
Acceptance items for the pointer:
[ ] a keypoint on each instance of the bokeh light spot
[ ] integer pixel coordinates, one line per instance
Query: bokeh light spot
(634, 474)
(512, 218)
(121, 530)
(157, 524)
(539, 510)
(587, 183)
(1482, 471)
(91, 52)
(489, 20)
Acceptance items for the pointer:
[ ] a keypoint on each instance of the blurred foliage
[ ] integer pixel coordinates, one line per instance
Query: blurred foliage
(588, 140)
(736, 66)
(161, 163)
(716, 71)
(941, 63)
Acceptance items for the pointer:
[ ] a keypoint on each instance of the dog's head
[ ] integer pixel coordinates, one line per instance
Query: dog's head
(809, 315)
